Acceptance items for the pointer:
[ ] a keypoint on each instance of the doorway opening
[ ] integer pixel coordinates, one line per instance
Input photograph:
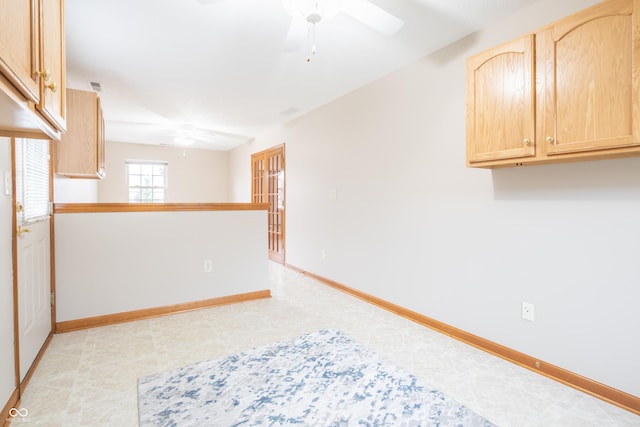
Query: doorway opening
(268, 186)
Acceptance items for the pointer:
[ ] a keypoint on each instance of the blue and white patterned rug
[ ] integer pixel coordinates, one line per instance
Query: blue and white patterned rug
(320, 379)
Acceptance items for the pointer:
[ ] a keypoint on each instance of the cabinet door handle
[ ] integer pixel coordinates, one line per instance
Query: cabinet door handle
(52, 86)
(46, 75)
(550, 139)
(526, 141)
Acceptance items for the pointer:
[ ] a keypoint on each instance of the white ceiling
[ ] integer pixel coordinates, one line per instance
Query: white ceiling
(218, 71)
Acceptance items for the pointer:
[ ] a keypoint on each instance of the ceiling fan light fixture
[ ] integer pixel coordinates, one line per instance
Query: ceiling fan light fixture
(183, 140)
(313, 11)
(314, 18)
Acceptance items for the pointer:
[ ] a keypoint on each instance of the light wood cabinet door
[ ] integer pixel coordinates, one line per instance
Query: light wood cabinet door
(590, 73)
(52, 63)
(32, 68)
(500, 102)
(80, 153)
(19, 46)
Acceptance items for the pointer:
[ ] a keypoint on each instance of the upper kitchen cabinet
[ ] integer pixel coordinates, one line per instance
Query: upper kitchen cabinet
(500, 102)
(32, 68)
(19, 46)
(586, 79)
(590, 75)
(80, 153)
(52, 64)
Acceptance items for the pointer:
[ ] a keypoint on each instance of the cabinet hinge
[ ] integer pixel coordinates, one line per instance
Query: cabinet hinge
(53, 298)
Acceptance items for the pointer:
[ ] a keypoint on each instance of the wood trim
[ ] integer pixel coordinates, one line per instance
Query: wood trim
(147, 313)
(604, 392)
(14, 265)
(35, 363)
(61, 208)
(14, 399)
(13, 402)
(276, 234)
(52, 235)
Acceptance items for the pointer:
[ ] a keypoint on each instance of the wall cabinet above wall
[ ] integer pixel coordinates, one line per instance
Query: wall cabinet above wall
(568, 92)
(80, 153)
(32, 68)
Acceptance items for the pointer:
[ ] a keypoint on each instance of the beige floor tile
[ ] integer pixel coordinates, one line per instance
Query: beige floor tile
(89, 378)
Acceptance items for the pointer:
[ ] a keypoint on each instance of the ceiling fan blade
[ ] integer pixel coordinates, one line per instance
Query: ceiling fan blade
(373, 16)
(296, 36)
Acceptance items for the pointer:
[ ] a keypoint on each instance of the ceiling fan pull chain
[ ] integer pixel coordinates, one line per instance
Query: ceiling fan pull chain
(313, 46)
(313, 18)
(308, 41)
(311, 39)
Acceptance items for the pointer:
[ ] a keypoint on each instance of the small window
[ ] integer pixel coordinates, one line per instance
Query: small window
(34, 169)
(147, 181)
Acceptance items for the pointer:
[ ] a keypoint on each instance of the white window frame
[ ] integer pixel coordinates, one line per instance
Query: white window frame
(150, 188)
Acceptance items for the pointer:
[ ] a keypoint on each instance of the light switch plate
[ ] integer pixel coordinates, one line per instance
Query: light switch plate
(7, 183)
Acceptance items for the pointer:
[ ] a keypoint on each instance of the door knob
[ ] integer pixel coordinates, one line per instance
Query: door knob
(21, 230)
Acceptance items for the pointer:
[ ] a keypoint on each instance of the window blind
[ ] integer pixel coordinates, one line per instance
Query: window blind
(35, 179)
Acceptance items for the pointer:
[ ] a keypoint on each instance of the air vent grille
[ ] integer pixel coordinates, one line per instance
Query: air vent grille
(96, 86)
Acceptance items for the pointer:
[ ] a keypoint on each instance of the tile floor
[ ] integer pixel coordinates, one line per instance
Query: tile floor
(88, 378)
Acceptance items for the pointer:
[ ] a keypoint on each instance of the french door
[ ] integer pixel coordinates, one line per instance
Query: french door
(268, 186)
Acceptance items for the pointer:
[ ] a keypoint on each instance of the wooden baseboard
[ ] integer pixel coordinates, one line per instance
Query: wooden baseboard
(611, 395)
(6, 417)
(35, 364)
(110, 319)
(13, 403)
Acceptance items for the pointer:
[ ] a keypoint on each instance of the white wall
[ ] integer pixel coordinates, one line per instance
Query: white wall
(110, 263)
(412, 225)
(74, 190)
(194, 176)
(7, 367)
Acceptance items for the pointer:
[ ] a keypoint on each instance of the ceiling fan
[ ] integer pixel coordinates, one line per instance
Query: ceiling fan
(305, 14)
(181, 135)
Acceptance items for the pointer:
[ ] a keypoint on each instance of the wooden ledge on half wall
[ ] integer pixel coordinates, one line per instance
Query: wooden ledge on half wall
(61, 208)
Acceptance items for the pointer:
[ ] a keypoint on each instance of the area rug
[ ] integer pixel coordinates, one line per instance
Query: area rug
(320, 379)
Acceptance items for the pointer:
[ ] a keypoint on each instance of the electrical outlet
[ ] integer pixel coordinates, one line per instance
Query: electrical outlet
(323, 254)
(208, 266)
(527, 311)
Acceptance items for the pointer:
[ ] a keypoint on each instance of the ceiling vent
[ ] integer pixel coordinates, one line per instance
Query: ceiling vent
(95, 86)
(290, 111)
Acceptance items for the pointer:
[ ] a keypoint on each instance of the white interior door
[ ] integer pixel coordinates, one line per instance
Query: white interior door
(33, 251)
